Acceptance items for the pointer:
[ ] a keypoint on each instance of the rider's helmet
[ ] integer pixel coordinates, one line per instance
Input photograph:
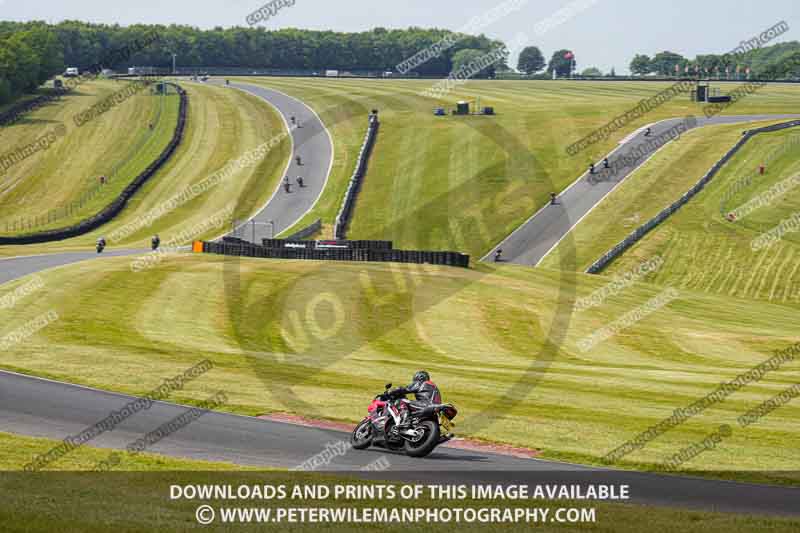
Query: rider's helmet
(422, 376)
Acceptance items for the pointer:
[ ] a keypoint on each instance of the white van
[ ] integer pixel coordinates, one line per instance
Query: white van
(71, 72)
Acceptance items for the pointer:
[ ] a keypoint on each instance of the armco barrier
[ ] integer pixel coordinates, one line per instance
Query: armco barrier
(338, 254)
(348, 203)
(116, 206)
(306, 232)
(642, 230)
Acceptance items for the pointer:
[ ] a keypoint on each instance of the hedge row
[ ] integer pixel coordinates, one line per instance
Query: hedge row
(115, 207)
(338, 254)
(642, 230)
(346, 211)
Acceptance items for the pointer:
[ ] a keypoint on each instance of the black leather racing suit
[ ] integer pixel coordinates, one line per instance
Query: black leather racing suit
(425, 393)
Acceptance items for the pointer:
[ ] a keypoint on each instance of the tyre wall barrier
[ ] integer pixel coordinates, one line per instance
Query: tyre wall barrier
(327, 244)
(308, 231)
(642, 230)
(15, 112)
(346, 210)
(118, 204)
(227, 239)
(338, 254)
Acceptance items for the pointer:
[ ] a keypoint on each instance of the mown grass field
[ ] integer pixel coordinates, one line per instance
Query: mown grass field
(222, 126)
(501, 169)
(723, 259)
(138, 499)
(655, 185)
(119, 144)
(318, 339)
(17, 450)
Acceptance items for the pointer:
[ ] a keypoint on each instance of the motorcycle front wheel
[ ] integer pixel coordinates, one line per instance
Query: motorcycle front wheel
(363, 435)
(426, 442)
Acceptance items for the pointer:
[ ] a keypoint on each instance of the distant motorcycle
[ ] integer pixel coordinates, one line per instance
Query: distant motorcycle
(424, 429)
(101, 245)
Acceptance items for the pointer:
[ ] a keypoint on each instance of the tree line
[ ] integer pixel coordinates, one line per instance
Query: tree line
(777, 61)
(531, 62)
(80, 44)
(563, 63)
(28, 58)
(32, 52)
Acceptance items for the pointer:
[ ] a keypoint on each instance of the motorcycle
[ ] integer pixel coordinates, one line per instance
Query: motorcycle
(425, 427)
(100, 247)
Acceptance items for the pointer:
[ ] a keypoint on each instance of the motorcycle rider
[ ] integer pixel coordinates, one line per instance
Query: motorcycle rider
(155, 242)
(424, 390)
(101, 244)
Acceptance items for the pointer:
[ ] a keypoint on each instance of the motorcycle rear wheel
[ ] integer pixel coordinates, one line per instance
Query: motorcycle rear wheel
(362, 435)
(428, 441)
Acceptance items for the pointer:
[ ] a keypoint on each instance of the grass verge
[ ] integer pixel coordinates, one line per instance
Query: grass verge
(282, 333)
(136, 500)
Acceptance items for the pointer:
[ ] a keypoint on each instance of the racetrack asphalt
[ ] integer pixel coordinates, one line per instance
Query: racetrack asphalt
(311, 141)
(44, 408)
(536, 237)
(17, 267)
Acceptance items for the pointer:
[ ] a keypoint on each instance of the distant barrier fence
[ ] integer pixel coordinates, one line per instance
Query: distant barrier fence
(642, 230)
(346, 211)
(291, 72)
(306, 232)
(282, 249)
(115, 207)
(385, 74)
